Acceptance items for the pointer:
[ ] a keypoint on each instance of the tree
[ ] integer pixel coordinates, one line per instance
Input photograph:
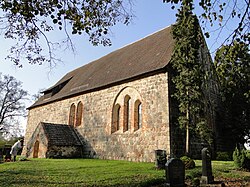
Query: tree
(232, 63)
(29, 21)
(218, 14)
(233, 69)
(12, 106)
(189, 71)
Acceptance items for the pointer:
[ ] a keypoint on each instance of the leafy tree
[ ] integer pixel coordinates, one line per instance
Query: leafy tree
(218, 14)
(28, 21)
(12, 106)
(233, 69)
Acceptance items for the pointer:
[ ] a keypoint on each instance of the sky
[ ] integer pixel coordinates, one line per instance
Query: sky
(149, 18)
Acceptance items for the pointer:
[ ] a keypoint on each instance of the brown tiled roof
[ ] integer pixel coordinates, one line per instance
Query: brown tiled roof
(60, 135)
(145, 56)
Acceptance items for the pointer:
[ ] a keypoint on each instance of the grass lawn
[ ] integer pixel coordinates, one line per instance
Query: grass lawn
(94, 172)
(79, 172)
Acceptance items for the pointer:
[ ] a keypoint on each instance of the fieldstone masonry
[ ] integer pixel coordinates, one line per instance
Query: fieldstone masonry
(133, 145)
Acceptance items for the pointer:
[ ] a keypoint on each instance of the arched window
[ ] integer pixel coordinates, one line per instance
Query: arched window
(116, 118)
(137, 115)
(79, 112)
(126, 117)
(72, 114)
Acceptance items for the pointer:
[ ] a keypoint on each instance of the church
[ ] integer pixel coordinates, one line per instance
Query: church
(117, 107)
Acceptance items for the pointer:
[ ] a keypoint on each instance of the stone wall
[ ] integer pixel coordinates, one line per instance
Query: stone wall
(133, 145)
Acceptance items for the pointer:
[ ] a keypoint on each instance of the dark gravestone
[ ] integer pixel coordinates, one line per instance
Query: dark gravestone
(1, 155)
(160, 159)
(175, 173)
(207, 177)
(7, 154)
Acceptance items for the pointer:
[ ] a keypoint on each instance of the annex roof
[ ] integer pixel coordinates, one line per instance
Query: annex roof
(60, 135)
(140, 58)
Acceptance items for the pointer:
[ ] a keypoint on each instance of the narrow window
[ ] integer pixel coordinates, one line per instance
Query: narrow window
(116, 118)
(137, 115)
(126, 113)
(79, 114)
(72, 114)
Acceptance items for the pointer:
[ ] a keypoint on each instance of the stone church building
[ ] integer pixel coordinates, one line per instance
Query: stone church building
(116, 107)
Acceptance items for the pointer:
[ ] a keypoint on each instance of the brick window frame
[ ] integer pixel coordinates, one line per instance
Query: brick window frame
(72, 114)
(137, 115)
(126, 113)
(116, 118)
(79, 114)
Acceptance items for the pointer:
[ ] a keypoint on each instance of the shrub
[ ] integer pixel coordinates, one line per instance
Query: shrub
(247, 154)
(23, 158)
(223, 156)
(240, 159)
(188, 162)
(196, 182)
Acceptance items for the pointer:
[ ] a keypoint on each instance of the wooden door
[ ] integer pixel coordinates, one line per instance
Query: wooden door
(36, 149)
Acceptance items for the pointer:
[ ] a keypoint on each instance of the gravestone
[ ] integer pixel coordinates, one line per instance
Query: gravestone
(175, 173)
(1, 155)
(207, 177)
(160, 159)
(7, 154)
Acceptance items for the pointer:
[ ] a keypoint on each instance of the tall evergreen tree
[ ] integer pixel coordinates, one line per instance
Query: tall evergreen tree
(189, 72)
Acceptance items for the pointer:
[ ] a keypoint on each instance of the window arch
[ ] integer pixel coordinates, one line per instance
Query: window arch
(72, 114)
(126, 116)
(116, 118)
(137, 115)
(79, 112)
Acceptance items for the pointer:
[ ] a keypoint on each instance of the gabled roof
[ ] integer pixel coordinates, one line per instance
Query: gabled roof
(141, 58)
(60, 135)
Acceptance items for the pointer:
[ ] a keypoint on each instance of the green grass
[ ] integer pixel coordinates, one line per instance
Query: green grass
(220, 169)
(79, 172)
(94, 172)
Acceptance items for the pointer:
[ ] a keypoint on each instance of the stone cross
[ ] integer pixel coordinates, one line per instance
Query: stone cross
(207, 177)
(175, 173)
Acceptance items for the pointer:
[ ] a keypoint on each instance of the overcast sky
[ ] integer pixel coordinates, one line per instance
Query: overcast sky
(151, 16)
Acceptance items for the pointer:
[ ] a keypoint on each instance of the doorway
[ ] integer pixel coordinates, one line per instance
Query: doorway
(36, 149)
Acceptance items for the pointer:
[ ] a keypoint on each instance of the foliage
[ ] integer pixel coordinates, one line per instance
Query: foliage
(22, 158)
(233, 70)
(196, 182)
(189, 72)
(12, 106)
(223, 156)
(219, 13)
(240, 159)
(247, 154)
(29, 21)
(188, 162)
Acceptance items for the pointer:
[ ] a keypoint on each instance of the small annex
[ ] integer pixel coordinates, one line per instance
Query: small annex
(54, 141)
(120, 105)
